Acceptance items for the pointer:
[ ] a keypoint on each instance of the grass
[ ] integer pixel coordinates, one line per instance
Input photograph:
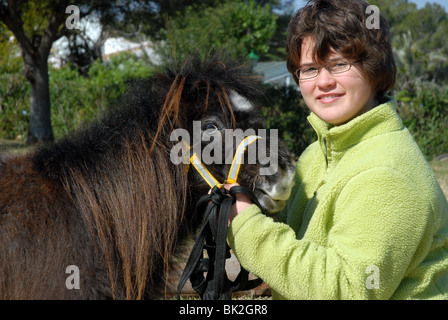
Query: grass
(12, 146)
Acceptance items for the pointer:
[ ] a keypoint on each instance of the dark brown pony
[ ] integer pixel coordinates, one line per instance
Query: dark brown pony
(108, 200)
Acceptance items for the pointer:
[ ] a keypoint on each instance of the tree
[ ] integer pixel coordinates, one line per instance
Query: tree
(37, 24)
(236, 26)
(35, 44)
(419, 40)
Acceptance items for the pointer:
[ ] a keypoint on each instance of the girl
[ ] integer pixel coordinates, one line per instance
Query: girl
(366, 218)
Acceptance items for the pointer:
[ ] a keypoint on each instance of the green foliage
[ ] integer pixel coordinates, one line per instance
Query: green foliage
(35, 16)
(425, 113)
(75, 99)
(286, 111)
(14, 100)
(14, 90)
(418, 36)
(421, 53)
(236, 25)
(10, 58)
(419, 39)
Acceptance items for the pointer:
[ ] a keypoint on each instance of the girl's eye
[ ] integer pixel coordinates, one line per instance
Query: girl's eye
(309, 70)
(340, 65)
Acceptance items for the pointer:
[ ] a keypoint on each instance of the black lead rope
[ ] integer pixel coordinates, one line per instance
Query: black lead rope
(213, 238)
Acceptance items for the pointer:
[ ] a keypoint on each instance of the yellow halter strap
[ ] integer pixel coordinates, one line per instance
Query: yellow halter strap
(234, 168)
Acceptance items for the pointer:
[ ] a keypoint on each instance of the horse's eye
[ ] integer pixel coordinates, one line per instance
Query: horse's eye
(210, 128)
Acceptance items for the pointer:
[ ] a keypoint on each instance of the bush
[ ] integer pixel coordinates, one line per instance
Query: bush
(286, 111)
(14, 101)
(74, 99)
(424, 111)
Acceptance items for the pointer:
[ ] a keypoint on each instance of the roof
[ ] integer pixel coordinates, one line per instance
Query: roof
(274, 72)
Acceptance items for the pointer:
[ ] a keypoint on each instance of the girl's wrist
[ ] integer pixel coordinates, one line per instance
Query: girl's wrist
(242, 202)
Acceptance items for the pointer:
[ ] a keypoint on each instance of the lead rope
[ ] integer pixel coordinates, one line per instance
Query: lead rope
(212, 236)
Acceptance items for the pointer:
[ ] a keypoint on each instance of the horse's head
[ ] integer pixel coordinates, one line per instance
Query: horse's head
(213, 104)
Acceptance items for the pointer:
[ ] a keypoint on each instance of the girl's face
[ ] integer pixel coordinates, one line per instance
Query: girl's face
(336, 98)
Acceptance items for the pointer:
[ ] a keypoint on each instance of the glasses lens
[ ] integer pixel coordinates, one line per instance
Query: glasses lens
(307, 73)
(336, 67)
(340, 67)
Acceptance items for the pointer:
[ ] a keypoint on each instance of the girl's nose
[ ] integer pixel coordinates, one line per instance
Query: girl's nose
(325, 79)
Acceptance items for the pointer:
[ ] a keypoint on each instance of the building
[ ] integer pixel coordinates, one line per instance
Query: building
(275, 73)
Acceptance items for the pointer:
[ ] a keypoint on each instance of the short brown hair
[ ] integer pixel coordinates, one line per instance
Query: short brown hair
(341, 25)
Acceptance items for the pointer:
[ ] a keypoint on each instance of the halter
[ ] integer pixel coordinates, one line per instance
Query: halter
(213, 235)
(234, 168)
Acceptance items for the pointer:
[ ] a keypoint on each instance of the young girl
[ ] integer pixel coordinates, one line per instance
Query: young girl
(366, 218)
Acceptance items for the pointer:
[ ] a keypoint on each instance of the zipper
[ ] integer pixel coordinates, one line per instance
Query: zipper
(325, 151)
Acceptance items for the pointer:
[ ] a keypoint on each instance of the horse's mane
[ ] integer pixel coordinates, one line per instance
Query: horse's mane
(131, 200)
(118, 174)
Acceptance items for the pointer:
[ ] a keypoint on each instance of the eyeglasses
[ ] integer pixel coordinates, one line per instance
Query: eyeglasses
(334, 67)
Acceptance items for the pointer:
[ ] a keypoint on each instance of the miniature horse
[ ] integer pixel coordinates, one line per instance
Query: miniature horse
(108, 202)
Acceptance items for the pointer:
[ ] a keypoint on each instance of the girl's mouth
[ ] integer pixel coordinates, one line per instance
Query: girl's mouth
(329, 98)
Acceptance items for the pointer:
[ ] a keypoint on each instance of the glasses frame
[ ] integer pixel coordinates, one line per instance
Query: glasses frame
(350, 64)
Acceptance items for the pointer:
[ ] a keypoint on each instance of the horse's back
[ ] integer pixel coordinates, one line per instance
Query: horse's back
(41, 236)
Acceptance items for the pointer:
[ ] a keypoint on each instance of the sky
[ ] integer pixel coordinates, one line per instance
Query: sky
(420, 3)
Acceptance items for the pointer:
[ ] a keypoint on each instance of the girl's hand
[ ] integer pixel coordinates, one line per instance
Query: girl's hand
(242, 202)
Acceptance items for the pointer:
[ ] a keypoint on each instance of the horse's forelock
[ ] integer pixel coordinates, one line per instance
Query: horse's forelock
(224, 102)
(169, 113)
(184, 86)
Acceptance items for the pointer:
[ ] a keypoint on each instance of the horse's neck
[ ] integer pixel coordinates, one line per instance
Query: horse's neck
(96, 146)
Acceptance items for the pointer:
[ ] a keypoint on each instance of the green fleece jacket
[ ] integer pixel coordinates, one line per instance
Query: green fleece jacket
(366, 219)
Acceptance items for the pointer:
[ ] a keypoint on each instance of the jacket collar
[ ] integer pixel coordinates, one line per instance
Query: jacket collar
(335, 140)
